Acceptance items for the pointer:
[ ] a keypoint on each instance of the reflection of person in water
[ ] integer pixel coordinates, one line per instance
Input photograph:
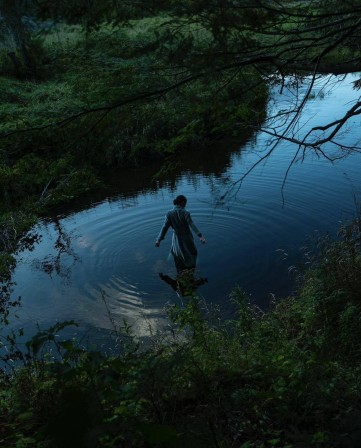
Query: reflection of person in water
(185, 284)
(183, 248)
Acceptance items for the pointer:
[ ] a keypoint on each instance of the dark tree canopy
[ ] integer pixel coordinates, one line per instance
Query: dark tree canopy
(284, 41)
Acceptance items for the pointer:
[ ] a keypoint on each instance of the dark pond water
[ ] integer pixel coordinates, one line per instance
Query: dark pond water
(103, 249)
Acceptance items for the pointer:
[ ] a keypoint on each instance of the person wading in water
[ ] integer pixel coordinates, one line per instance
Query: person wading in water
(183, 248)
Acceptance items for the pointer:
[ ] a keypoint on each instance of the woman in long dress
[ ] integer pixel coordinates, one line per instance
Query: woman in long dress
(183, 248)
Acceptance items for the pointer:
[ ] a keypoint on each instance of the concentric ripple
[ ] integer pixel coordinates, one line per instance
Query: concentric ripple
(100, 266)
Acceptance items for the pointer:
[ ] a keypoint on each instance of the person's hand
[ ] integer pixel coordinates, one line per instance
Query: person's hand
(202, 239)
(157, 243)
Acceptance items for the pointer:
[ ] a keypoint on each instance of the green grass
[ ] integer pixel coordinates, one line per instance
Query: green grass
(108, 66)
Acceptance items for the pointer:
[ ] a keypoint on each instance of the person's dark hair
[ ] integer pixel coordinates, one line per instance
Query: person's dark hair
(179, 200)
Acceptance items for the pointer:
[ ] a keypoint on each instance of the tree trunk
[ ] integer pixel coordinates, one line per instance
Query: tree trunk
(14, 36)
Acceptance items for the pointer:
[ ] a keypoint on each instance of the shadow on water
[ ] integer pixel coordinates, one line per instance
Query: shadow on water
(212, 160)
(185, 283)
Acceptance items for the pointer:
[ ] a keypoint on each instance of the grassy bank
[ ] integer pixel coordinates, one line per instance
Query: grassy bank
(85, 73)
(287, 378)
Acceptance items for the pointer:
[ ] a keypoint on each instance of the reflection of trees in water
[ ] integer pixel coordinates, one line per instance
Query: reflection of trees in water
(293, 123)
(210, 161)
(55, 264)
(6, 302)
(223, 193)
(288, 121)
(12, 243)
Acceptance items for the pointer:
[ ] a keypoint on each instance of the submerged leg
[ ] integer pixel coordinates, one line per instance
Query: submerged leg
(179, 264)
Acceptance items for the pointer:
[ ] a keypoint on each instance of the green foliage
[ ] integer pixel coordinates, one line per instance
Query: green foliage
(335, 283)
(91, 15)
(286, 378)
(13, 228)
(7, 264)
(59, 140)
(106, 68)
(12, 61)
(14, 237)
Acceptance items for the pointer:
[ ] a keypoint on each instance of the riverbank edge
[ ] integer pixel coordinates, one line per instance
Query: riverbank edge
(18, 218)
(288, 378)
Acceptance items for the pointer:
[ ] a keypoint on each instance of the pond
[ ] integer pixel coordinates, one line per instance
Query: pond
(97, 263)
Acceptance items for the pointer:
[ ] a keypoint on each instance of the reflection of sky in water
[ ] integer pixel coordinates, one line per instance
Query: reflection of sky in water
(109, 248)
(330, 98)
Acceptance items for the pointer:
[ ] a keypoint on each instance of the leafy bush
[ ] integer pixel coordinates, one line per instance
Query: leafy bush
(12, 62)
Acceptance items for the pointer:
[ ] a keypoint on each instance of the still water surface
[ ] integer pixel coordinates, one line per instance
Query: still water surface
(104, 250)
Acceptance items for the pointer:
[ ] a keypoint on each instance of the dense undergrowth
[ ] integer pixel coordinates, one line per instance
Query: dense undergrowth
(286, 378)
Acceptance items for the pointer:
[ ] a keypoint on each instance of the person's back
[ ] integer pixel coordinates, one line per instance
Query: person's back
(180, 221)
